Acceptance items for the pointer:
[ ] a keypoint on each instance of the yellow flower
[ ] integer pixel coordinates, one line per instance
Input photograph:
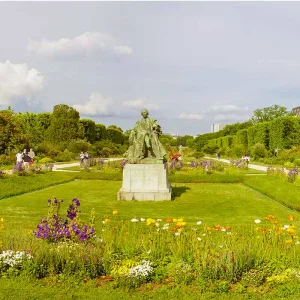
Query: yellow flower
(288, 241)
(181, 223)
(180, 220)
(106, 220)
(115, 212)
(175, 220)
(150, 221)
(2, 220)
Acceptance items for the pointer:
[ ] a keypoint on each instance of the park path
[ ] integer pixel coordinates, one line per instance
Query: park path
(58, 168)
(251, 166)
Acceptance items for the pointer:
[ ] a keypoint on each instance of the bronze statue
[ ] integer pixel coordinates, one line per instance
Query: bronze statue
(144, 146)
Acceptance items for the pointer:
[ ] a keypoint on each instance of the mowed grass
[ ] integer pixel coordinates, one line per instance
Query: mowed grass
(234, 204)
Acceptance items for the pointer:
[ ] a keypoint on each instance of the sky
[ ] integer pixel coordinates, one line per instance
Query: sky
(191, 64)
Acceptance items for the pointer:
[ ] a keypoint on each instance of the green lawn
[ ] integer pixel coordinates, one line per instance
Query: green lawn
(212, 203)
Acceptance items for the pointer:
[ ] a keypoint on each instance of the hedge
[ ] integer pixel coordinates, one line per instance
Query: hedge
(242, 137)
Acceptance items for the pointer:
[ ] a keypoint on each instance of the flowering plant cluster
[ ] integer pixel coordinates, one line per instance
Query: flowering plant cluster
(13, 259)
(176, 165)
(239, 163)
(55, 228)
(142, 270)
(292, 175)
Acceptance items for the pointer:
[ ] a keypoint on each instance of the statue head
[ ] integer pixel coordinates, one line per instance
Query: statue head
(144, 113)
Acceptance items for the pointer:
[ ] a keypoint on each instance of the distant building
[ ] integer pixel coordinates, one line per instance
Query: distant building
(217, 127)
(296, 111)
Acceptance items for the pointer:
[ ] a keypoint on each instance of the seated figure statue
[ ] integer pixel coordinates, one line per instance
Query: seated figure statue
(143, 141)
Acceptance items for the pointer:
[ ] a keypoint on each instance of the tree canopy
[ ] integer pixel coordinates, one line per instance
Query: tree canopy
(269, 113)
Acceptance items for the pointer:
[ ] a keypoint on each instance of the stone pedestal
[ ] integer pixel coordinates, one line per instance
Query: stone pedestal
(145, 182)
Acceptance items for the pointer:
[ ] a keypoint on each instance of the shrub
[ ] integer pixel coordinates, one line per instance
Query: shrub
(297, 162)
(64, 156)
(289, 165)
(210, 149)
(258, 151)
(46, 160)
(76, 146)
(198, 154)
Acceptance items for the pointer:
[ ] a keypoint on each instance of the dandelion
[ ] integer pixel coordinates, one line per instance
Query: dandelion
(134, 220)
(288, 241)
(115, 212)
(199, 223)
(257, 221)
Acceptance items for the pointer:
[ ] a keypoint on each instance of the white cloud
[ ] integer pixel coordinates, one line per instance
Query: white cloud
(231, 117)
(139, 104)
(18, 81)
(81, 45)
(225, 108)
(97, 105)
(185, 116)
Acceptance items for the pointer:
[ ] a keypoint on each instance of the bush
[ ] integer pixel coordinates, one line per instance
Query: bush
(76, 146)
(48, 148)
(64, 156)
(289, 165)
(46, 160)
(210, 149)
(297, 162)
(258, 151)
(198, 154)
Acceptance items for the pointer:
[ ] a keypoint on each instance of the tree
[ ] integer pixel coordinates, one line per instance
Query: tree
(115, 127)
(89, 129)
(10, 135)
(64, 124)
(268, 114)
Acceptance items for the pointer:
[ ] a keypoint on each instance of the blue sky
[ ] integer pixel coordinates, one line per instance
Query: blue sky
(191, 64)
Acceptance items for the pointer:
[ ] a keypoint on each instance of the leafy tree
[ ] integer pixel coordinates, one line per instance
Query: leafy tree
(100, 132)
(269, 113)
(10, 135)
(89, 127)
(64, 124)
(115, 127)
(33, 126)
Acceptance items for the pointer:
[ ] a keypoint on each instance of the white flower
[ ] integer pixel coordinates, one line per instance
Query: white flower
(223, 229)
(199, 223)
(204, 234)
(194, 229)
(103, 222)
(297, 243)
(286, 227)
(158, 220)
(134, 220)
(158, 229)
(229, 233)
(142, 270)
(142, 220)
(221, 246)
(257, 221)
(177, 233)
(199, 239)
(157, 224)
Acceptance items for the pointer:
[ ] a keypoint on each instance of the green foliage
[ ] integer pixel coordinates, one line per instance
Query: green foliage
(284, 132)
(50, 149)
(64, 124)
(100, 132)
(33, 126)
(10, 134)
(89, 127)
(64, 156)
(115, 136)
(232, 129)
(228, 141)
(107, 148)
(242, 138)
(269, 113)
(182, 140)
(258, 151)
(76, 146)
(239, 150)
(210, 149)
(45, 160)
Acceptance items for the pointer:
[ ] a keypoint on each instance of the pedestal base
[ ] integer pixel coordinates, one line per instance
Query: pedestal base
(145, 182)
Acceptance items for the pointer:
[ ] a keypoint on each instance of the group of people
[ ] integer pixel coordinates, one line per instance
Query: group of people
(25, 158)
(83, 157)
(246, 158)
